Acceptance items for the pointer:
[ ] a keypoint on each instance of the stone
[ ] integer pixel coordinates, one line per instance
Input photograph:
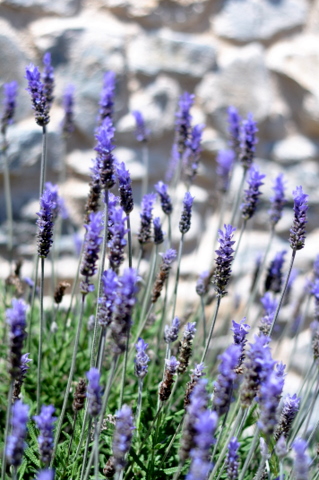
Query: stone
(58, 7)
(166, 51)
(251, 92)
(294, 149)
(249, 20)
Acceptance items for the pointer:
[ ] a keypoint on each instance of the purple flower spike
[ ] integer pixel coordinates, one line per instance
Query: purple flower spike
(141, 132)
(122, 436)
(224, 384)
(196, 374)
(252, 194)
(234, 120)
(144, 234)
(16, 441)
(117, 241)
(105, 157)
(45, 421)
(192, 153)
(185, 221)
(38, 97)
(273, 280)
(158, 232)
(287, 416)
(141, 359)
(47, 215)
(123, 308)
(68, 106)
(9, 104)
(125, 188)
(270, 394)
(16, 319)
(48, 79)
(225, 160)
(171, 332)
(107, 97)
(45, 475)
(224, 260)
(167, 259)
(298, 229)
(248, 141)
(183, 121)
(302, 460)
(166, 203)
(110, 284)
(94, 392)
(233, 459)
(91, 250)
(277, 200)
(165, 390)
(24, 367)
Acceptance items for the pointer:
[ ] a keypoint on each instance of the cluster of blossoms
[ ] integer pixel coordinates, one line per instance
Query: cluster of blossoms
(94, 392)
(45, 421)
(141, 131)
(185, 348)
(167, 259)
(171, 332)
(106, 302)
(144, 235)
(16, 319)
(252, 193)
(125, 188)
(234, 120)
(37, 90)
(91, 250)
(9, 104)
(192, 153)
(49, 206)
(224, 260)
(274, 276)
(298, 229)
(248, 141)
(107, 97)
(166, 203)
(141, 359)
(277, 200)
(185, 221)
(223, 388)
(183, 121)
(16, 440)
(117, 239)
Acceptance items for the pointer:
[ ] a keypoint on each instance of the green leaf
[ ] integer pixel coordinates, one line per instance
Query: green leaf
(29, 453)
(137, 460)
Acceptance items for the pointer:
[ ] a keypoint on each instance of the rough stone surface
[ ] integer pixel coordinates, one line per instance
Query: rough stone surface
(249, 20)
(295, 149)
(59, 7)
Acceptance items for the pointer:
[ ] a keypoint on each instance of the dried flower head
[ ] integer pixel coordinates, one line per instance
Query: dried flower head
(141, 359)
(167, 259)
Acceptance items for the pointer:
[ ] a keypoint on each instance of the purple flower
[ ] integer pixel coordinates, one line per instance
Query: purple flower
(252, 194)
(269, 303)
(92, 203)
(234, 120)
(185, 221)
(48, 79)
(166, 202)
(68, 106)
(16, 445)
(273, 280)
(123, 308)
(225, 160)
(183, 121)
(302, 460)
(298, 229)
(223, 387)
(38, 97)
(269, 397)
(141, 359)
(45, 421)
(47, 214)
(192, 152)
(16, 319)
(93, 392)
(144, 234)
(45, 475)
(158, 232)
(141, 131)
(9, 104)
(281, 448)
(91, 248)
(287, 416)
(171, 332)
(106, 302)
(277, 200)
(185, 348)
(122, 436)
(167, 259)
(248, 141)
(233, 459)
(24, 367)
(125, 188)
(196, 374)
(117, 241)
(240, 332)
(165, 390)
(104, 150)
(224, 260)
(107, 97)
(202, 283)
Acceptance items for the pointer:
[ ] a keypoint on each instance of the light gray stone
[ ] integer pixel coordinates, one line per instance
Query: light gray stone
(248, 20)
(242, 81)
(166, 51)
(295, 148)
(59, 7)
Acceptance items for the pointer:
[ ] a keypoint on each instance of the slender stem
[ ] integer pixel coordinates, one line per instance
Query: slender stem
(96, 447)
(86, 416)
(140, 330)
(124, 369)
(149, 283)
(8, 197)
(145, 163)
(102, 347)
(72, 435)
(283, 291)
(15, 473)
(6, 432)
(140, 256)
(243, 228)
(34, 290)
(43, 159)
(67, 390)
(139, 405)
(311, 409)
(40, 338)
(169, 230)
(168, 449)
(179, 257)
(211, 329)
(75, 283)
(202, 302)
(250, 454)
(220, 219)
(129, 238)
(86, 449)
(281, 470)
(236, 203)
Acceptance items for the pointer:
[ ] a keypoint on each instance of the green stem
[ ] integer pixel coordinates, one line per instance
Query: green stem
(124, 369)
(202, 302)
(43, 159)
(34, 290)
(129, 238)
(145, 163)
(72, 435)
(250, 454)
(8, 197)
(86, 449)
(211, 329)
(96, 447)
(179, 257)
(243, 228)
(236, 203)
(139, 405)
(39, 371)
(149, 283)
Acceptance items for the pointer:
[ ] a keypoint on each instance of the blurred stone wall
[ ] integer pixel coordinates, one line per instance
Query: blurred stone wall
(260, 55)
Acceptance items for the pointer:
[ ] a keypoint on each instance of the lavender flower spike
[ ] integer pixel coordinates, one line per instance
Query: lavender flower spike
(105, 157)
(234, 120)
(9, 104)
(298, 231)
(45, 475)
(167, 259)
(240, 332)
(24, 367)
(16, 319)
(248, 142)
(224, 260)
(288, 414)
(16, 441)
(91, 249)
(224, 384)
(252, 194)
(225, 160)
(141, 132)
(302, 460)
(48, 79)
(68, 106)
(166, 202)
(125, 188)
(47, 213)
(110, 284)
(122, 436)
(202, 283)
(273, 280)
(277, 200)
(270, 393)
(185, 221)
(165, 390)
(185, 348)
(107, 96)
(193, 151)
(233, 459)
(117, 240)
(196, 375)
(171, 332)
(38, 97)
(45, 421)
(94, 392)
(158, 232)
(141, 359)
(144, 234)
(183, 121)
